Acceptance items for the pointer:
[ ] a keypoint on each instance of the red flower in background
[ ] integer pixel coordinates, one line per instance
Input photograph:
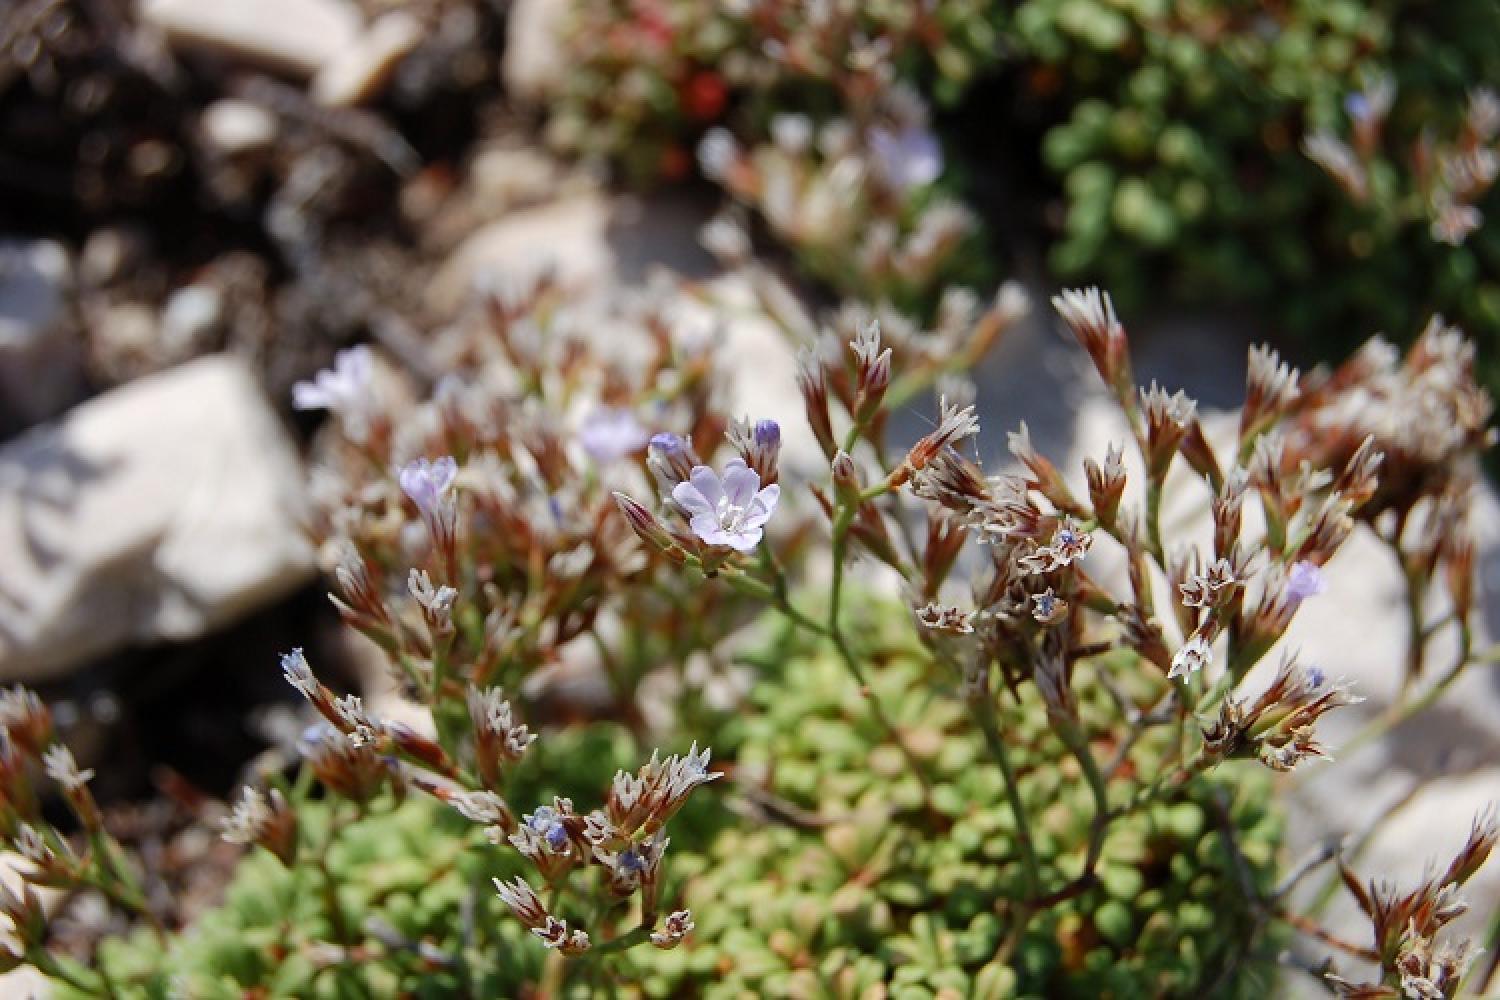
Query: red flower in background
(704, 96)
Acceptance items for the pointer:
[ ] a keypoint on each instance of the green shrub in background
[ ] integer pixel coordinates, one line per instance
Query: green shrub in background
(1178, 135)
(1181, 138)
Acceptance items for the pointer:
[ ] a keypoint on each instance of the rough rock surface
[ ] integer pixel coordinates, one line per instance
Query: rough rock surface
(297, 37)
(155, 512)
(568, 236)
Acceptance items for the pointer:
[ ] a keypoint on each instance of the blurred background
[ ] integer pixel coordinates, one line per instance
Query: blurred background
(201, 201)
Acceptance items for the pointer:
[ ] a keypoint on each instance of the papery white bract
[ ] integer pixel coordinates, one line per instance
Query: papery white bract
(731, 510)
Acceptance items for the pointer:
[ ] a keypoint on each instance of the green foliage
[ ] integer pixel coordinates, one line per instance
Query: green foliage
(1175, 132)
(853, 883)
(846, 882)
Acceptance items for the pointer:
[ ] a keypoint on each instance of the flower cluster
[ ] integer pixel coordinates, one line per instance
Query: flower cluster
(854, 204)
(799, 112)
(648, 78)
(995, 770)
(1448, 178)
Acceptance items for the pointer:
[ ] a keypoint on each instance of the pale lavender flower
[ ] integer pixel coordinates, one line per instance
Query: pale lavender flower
(908, 158)
(428, 484)
(730, 511)
(610, 433)
(1304, 580)
(717, 153)
(344, 388)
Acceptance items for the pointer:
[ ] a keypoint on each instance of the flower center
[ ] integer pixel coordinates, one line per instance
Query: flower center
(731, 516)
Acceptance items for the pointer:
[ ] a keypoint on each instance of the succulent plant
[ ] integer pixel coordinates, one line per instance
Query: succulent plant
(848, 880)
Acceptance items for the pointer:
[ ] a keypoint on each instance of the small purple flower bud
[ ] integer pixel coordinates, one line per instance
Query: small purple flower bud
(671, 458)
(759, 444)
(645, 525)
(1304, 580)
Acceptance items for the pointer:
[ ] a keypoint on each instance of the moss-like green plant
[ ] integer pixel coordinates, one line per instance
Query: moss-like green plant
(849, 880)
(844, 879)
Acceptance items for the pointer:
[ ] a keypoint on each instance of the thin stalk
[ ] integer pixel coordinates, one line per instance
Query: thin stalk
(1407, 709)
(51, 967)
(1153, 522)
(752, 587)
(851, 663)
(624, 942)
(1491, 949)
(984, 712)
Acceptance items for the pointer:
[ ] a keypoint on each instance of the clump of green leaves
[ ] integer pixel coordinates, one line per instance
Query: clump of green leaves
(849, 879)
(1177, 133)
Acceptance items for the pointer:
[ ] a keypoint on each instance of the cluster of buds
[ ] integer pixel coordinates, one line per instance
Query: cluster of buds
(1450, 177)
(29, 745)
(1407, 924)
(1407, 433)
(625, 840)
(1277, 726)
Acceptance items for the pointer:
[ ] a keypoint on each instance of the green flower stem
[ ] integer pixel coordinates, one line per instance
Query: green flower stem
(984, 712)
(45, 963)
(1407, 709)
(753, 587)
(1072, 735)
(1153, 521)
(624, 942)
(1416, 648)
(842, 519)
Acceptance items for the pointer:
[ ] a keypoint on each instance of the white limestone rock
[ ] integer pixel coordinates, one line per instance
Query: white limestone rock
(41, 355)
(295, 37)
(533, 64)
(568, 236)
(155, 512)
(361, 72)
